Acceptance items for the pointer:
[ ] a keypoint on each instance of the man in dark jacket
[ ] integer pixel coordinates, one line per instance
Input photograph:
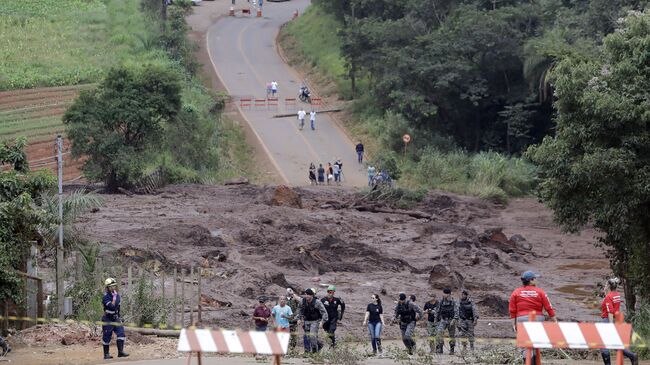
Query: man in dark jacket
(447, 320)
(332, 304)
(111, 320)
(468, 317)
(312, 311)
(431, 310)
(359, 149)
(408, 313)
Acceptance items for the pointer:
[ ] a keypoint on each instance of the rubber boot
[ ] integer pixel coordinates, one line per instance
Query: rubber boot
(451, 348)
(120, 349)
(107, 355)
(439, 348)
(379, 345)
(634, 358)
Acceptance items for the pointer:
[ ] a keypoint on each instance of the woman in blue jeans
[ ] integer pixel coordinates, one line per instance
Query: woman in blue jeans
(375, 320)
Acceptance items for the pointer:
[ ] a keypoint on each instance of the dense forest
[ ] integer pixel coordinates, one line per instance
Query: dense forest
(474, 71)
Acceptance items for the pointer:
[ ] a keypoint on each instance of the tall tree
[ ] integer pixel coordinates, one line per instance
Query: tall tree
(115, 125)
(596, 170)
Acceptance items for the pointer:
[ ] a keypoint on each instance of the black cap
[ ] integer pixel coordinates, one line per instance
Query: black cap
(465, 292)
(309, 291)
(402, 296)
(261, 299)
(446, 291)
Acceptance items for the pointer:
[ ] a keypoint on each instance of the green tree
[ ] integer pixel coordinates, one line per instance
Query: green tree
(115, 125)
(596, 170)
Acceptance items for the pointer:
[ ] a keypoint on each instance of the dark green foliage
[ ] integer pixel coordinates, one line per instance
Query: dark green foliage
(117, 124)
(19, 216)
(597, 168)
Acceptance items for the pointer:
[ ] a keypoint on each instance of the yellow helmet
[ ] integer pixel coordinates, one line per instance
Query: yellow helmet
(110, 282)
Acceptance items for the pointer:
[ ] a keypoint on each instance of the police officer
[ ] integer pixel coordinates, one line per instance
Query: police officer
(408, 313)
(111, 319)
(468, 317)
(312, 311)
(431, 310)
(332, 304)
(293, 301)
(447, 320)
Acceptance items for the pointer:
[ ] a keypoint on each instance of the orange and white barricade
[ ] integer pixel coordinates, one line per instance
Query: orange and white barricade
(316, 101)
(233, 342)
(571, 335)
(272, 103)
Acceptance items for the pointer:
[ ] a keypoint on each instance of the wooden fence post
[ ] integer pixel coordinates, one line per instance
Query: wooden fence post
(164, 303)
(175, 298)
(129, 285)
(191, 295)
(198, 298)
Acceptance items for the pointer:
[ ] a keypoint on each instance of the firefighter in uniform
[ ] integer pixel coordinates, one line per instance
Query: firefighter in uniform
(332, 304)
(468, 317)
(431, 310)
(447, 320)
(312, 312)
(111, 318)
(408, 313)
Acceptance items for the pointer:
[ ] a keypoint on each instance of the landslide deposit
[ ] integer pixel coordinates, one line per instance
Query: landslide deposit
(253, 241)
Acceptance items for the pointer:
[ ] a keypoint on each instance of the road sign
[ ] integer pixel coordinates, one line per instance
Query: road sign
(406, 138)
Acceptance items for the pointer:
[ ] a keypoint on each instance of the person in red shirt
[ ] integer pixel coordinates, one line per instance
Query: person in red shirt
(528, 298)
(261, 315)
(610, 306)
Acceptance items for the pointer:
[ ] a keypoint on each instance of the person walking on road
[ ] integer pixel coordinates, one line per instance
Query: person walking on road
(447, 321)
(336, 170)
(529, 298)
(610, 306)
(312, 174)
(359, 149)
(372, 171)
(431, 310)
(312, 311)
(312, 119)
(332, 305)
(374, 318)
(111, 320)
(282, 313)
(408, 314)
(329, 171)
(261, 315)
(301, 118)
(321, 174)
(468, 318)
(274, 84)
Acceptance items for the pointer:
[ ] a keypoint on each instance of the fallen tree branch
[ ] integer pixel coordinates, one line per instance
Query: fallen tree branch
(154, 331)
(410, 213)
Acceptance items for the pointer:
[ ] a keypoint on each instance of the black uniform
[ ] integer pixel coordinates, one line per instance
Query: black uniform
(447, 318)
(468, 316)
(332, 307)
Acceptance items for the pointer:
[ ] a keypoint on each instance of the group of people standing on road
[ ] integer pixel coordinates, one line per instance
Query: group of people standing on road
(301, 119)
(330, 173)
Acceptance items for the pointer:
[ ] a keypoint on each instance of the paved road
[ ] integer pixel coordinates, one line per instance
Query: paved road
(243, 52)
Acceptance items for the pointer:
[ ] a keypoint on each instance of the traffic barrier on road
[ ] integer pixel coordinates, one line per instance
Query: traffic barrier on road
(544, 335)
(316, 101)
(260, 103)
(245, 102)
(259, 12)
(289, 102)
(232, 11)
(272, 102)
(233, 342)
(246, 11)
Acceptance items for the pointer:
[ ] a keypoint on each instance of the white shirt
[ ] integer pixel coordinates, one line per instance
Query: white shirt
(274, 85)
(301, 114)
(312, 116)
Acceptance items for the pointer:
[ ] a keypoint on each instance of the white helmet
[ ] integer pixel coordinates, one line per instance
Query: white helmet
(110, 282)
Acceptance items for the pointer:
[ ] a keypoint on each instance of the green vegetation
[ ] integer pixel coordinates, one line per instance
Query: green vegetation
(65, 42)
(596, 169)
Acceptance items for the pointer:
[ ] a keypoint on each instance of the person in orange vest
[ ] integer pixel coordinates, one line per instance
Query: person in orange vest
(528, 298)
(611, 305)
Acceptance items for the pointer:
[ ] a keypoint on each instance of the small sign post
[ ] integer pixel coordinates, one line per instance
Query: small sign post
(406, 138)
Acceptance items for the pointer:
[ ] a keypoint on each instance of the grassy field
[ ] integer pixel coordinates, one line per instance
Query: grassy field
(67, 42)
(312, 44)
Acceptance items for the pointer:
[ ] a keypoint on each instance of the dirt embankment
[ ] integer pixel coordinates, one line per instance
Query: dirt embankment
(254, 241)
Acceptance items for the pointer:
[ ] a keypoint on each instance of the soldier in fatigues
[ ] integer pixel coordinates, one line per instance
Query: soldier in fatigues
(448, 318)
(408, 314)
(468, 317)
(332, 305)
(431, 310)
(293, 301)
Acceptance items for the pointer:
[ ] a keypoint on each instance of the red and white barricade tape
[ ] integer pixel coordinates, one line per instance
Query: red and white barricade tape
(239, 342)
(544, 335)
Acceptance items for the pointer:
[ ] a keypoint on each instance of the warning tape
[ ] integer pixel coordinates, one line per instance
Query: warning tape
(636, 341)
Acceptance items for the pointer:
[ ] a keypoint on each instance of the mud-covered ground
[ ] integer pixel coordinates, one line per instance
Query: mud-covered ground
(249, 247)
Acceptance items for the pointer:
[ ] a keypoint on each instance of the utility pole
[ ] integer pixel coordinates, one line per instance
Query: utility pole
(60, 290)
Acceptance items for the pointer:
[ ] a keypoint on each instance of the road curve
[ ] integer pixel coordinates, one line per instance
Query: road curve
(243, 53)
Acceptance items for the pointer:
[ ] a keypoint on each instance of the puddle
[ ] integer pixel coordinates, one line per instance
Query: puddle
(579, 292)
(593, 265)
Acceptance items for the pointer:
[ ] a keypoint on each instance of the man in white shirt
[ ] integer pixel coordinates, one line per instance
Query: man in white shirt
(312, 119)
(301, 118)
(274, 87)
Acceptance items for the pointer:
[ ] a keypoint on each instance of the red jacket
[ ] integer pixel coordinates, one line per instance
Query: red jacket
(526, 299)
(611, 304)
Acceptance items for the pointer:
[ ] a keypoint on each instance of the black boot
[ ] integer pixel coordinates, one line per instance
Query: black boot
(451, 348)
(379, 345)
(439, 348)
(106, 354)
(120, 349)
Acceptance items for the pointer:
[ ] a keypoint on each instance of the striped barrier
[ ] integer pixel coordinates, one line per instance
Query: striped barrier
(233, 342)
(260, 103)
(245, 102)
(289, 102)
(316, 101)
(272, 102)
(546, 335)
